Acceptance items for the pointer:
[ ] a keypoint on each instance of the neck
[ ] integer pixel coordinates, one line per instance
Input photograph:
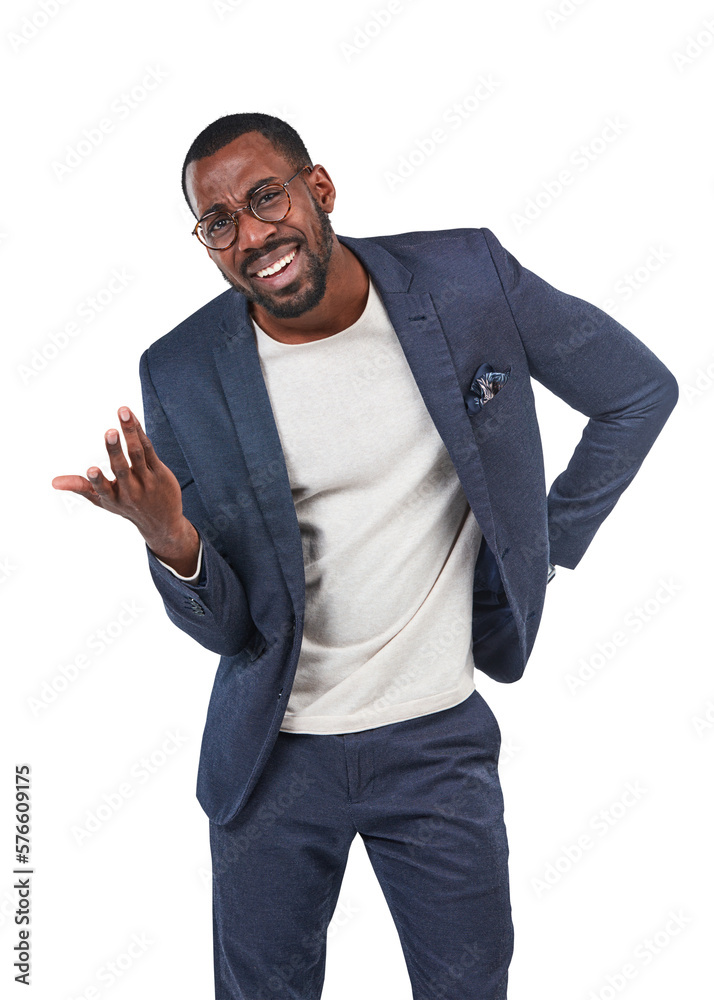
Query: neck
(342, 305)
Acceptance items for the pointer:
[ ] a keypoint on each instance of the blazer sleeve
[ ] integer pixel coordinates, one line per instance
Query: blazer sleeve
(213, 610)
(591, 361)
(194, 576)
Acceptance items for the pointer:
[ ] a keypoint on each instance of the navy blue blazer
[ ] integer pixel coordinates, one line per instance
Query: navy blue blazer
(457, 299)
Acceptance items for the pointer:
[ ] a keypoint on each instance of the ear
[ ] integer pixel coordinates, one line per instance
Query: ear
(321, 185)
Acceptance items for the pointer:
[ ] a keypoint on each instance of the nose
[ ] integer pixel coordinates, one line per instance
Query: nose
(252, 232)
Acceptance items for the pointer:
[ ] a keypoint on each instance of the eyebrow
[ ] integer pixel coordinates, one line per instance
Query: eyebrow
(219, 205)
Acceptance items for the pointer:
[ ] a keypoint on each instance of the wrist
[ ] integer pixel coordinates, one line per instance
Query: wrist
(177, 547)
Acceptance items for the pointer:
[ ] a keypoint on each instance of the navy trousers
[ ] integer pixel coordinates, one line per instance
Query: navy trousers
(425, 797)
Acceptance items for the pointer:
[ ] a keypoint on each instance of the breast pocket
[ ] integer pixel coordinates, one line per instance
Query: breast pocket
(490, 420)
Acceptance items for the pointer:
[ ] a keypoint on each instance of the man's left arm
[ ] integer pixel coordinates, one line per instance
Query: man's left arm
(591, 361)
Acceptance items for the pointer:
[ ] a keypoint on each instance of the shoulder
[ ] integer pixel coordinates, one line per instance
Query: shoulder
(438, 249)
(436, 240)
(469, 257)
(199, 330)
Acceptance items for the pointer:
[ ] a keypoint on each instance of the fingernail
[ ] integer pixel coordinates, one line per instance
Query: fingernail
(112, 437)
(93, 473)
(124, 413)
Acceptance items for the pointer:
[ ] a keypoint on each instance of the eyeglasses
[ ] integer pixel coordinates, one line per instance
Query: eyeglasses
(270, 203)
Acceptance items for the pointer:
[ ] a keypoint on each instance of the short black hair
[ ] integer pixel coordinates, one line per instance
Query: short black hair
(224, 130)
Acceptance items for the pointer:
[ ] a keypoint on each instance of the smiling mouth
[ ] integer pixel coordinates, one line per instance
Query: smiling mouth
(277, 267)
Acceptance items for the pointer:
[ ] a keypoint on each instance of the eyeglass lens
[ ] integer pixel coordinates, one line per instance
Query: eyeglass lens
(270, 204)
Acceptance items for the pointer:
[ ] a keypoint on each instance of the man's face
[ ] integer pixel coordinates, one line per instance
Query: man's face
(224, 182)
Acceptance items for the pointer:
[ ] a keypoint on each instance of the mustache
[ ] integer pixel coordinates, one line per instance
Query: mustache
(268, 248)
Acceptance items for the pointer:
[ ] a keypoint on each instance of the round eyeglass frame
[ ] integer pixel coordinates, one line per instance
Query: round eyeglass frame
(249, 206)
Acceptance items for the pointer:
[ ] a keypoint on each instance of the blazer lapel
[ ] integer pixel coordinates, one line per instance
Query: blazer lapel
(422, 338)
(421, 335)
(238, 363)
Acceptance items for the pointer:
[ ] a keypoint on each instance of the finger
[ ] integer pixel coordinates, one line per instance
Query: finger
(79, 485)
(117, 459)
(103, 488)
(152, 459)
(134, 446)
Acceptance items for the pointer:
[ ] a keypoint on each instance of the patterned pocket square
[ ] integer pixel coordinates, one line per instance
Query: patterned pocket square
(486, 383)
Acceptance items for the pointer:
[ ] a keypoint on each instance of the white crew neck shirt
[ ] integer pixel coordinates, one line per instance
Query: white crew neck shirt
(389, 540)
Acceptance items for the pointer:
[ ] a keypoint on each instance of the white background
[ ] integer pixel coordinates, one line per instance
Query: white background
(360, 102)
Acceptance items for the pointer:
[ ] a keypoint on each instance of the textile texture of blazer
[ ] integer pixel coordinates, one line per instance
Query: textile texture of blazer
(458, 300)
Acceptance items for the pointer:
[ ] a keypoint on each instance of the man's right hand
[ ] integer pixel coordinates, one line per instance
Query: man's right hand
(146, 492)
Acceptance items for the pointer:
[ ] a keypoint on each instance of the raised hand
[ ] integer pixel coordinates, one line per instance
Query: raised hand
(146, 492)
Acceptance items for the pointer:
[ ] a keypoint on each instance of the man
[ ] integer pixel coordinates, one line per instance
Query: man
(341, 490)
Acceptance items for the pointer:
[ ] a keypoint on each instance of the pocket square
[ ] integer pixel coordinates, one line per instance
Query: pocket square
(486, 383)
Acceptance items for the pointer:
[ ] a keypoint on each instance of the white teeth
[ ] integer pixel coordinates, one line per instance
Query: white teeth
(273, 268)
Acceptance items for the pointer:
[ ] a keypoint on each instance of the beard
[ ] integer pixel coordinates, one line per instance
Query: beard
(316, 264)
